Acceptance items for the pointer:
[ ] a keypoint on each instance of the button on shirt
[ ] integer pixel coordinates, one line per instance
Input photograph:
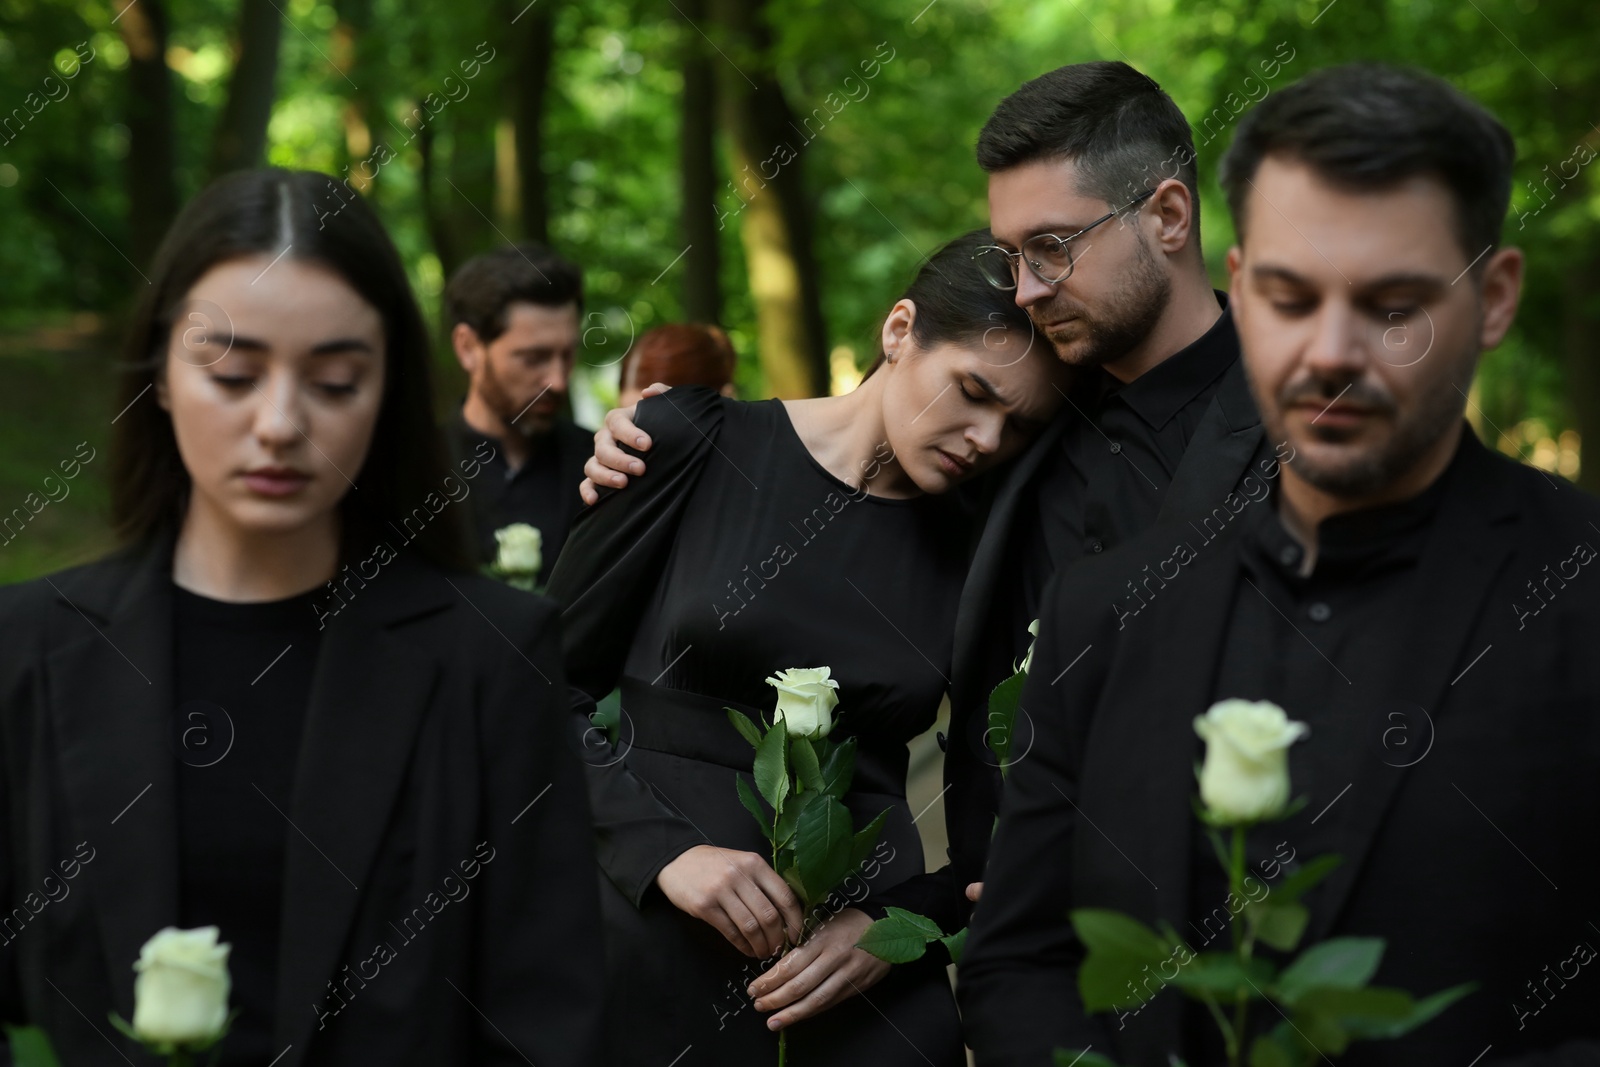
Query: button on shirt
(1107, 480)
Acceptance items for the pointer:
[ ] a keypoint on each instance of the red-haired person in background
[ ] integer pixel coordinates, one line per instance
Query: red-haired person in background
(677, 353)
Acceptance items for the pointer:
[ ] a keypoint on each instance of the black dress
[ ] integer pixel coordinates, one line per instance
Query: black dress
(738, 555)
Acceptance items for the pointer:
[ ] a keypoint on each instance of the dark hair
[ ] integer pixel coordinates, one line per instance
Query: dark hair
(1368, 126)
(527, 272)
(322, 221)
(955, 305)
(681, 353)
(1121, 131)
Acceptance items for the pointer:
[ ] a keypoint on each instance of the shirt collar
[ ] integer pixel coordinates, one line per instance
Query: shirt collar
(1165, 389)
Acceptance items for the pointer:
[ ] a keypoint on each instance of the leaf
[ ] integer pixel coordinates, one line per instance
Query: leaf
(822, 841)
(806, 768)
(1265, 1051)
(1120, 948)
(1279, 925)
(900, 936)
(772, 767)
(1218, 974)
(956, 944)
(784, 833)
(1002, 724)
(1422, 1011)
(1329, 1018)
(30, 1047)
(1296, 884)
(838, 766)
(1340, 963)
(747, 729)
(752, 804)
(865, 838)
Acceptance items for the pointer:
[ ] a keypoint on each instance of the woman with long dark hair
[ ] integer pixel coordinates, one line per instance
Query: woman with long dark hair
(770, 535)
(286, 708)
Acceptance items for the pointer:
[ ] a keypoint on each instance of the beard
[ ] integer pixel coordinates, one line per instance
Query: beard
(499, 400)
(1364, 471)
(1115, 329)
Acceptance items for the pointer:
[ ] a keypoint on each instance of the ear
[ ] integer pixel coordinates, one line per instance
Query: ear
(468, 349)
(727, 391)
(1173, 207)
(1232, 263)
(897, 329)
(1500, 289)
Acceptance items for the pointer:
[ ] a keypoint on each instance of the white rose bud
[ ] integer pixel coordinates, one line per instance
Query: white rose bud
(181, 994)
(1245, 776)
(806, 700)
(1027, 661)
(519, 548)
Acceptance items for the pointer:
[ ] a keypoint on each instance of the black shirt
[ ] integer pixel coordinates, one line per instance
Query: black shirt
(1320, 646)
(1106, 481)
(242, 680)
(543, 492)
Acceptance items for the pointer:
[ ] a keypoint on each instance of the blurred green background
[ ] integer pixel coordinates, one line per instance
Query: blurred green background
(779, 166)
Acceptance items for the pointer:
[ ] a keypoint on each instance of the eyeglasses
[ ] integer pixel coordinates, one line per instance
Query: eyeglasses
(1047, 255)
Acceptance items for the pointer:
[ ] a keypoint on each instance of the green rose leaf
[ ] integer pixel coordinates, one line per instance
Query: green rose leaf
(900, 936)
(772, 767)
(752, 804)
(30, 1047)
(806, 767)
(1341, 963)
(1265, 1051)
(1278, 925)
(838, 766)
(865, 838)
(1298, 882)
(956, 944)
(822, 840)
(1003, 703)
(1120, 947)
(1421, 1011)
(1218, 974)
(783, 836)
(747, 729)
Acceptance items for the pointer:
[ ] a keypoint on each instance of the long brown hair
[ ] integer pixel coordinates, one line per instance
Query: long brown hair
(307, 216)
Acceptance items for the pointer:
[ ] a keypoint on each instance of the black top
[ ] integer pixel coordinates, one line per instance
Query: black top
(739, 555)
(242, 679)
(1312, 644)
(543, 492)
(1107, 479)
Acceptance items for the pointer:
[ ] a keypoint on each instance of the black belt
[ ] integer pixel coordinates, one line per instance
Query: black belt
(695, 726)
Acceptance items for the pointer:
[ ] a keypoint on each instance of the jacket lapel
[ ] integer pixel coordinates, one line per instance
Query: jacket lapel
(110, 695)
(369, 694)
(983, 575)
(1219, 453)
(1459, 566)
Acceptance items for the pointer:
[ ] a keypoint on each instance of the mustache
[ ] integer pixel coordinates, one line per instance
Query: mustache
(1357, 392)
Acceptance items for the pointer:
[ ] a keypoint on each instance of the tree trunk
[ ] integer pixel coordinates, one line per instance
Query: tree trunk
(775, 219)
(1580, 326)
(152, 187)
(240, 140)
(352, 48)
(529, 85)
(697, 169)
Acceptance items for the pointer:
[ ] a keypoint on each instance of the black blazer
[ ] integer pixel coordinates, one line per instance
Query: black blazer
(1227, 443)
(435, 726)
(1478, 861)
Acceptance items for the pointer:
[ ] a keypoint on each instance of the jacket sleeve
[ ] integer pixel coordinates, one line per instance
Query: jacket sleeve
(612, 563)
(541, 973)
(1017, 983)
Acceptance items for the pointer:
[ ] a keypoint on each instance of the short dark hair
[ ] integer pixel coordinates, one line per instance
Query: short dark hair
(955, 304)
(526, 272)
(262, 212)
(1368, 126)
(1121, 131)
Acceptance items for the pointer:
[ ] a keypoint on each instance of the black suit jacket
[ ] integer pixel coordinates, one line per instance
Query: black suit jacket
(1226, 445)
(434, 729)
(1477, 861)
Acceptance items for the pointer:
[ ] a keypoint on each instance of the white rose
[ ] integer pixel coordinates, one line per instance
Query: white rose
(1027, 661)
(520, 546)
(806, 700)
(181, 994)
(1245, 776)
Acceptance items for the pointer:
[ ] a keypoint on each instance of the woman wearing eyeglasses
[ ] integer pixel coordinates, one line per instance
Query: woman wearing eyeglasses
(769, 535)
(287, 708)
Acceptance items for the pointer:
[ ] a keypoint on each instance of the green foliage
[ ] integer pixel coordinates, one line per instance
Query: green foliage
(900, 936)
(30, 1047)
